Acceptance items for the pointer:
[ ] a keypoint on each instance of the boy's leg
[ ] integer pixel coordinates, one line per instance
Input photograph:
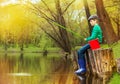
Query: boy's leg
(82, 51)
(81, 59)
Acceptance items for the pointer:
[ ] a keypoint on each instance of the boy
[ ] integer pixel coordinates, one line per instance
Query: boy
(96, 34)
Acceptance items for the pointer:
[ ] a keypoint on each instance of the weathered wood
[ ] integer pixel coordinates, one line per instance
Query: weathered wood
(118, 65)
(100, 61)
(74, 59)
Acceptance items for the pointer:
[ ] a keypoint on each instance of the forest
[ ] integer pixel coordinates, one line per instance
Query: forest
(65, 23)
(44, 26)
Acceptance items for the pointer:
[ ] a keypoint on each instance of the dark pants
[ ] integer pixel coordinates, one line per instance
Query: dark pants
(81, 51)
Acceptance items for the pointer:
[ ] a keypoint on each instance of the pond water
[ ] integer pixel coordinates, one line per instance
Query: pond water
(31, 68)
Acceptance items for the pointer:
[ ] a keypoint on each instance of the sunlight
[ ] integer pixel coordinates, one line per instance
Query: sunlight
(18, 2)
(13, 19)
(20, 74)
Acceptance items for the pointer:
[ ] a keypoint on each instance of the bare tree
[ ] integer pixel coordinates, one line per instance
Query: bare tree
(56, 19)
(63, 33)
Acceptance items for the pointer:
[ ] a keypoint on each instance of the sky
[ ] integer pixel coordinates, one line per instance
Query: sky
(7, 2)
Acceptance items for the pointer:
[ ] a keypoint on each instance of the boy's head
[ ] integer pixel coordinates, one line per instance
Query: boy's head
(93, 19)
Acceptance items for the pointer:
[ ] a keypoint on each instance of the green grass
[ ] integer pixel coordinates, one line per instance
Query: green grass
(31, 49)
(115, 79)
(115, 47)
(116, 50)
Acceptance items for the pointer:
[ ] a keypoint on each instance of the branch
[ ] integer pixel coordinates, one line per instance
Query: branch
(116, 20)
(51, 23)
(109, 6)
(56, 40)
(54, 29)
(67, 7)
(44, 15)
(48, 9)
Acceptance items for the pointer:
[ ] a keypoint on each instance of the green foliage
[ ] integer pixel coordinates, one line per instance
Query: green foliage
(18, 23)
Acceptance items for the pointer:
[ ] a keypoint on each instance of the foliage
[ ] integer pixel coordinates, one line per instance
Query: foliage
(19, 24)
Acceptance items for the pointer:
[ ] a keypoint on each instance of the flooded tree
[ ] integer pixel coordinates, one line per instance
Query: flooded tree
(57, 22)
(65, 42)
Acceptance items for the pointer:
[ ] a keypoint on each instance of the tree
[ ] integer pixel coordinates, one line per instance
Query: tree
(115, 15)
(57, 22)
(105, 23)
(87, 13)
(63, 33)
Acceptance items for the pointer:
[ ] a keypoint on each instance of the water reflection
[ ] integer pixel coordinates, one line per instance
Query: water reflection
(90, 79)
(37, 69)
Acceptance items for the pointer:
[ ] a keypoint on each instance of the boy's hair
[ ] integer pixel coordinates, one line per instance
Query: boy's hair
(93, 17)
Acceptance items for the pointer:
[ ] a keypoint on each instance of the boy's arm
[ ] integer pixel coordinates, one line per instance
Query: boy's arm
(94, 34)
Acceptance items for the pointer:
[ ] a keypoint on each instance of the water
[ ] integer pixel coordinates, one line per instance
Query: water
(37, 69)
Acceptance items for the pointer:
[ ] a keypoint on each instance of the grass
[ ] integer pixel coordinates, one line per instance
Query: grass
(115, 79)
(116, 51)
(115, 47)
(31, 49)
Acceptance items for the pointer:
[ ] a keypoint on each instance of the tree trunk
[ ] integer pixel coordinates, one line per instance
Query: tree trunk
(118, 28)
(5, 46)
(21, 47)
(100, 61)
(63, 33)
(105, 23)
(87, 14)
(60, 34)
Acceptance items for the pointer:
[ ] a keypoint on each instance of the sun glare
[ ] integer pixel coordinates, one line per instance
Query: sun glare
(18, 2)
(13, 18)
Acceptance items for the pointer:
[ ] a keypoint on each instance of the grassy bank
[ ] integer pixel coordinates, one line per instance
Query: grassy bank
(116, 77)
(116, 51)
(31, 49)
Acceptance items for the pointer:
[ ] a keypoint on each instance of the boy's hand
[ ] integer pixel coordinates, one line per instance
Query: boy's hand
(85, 39)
